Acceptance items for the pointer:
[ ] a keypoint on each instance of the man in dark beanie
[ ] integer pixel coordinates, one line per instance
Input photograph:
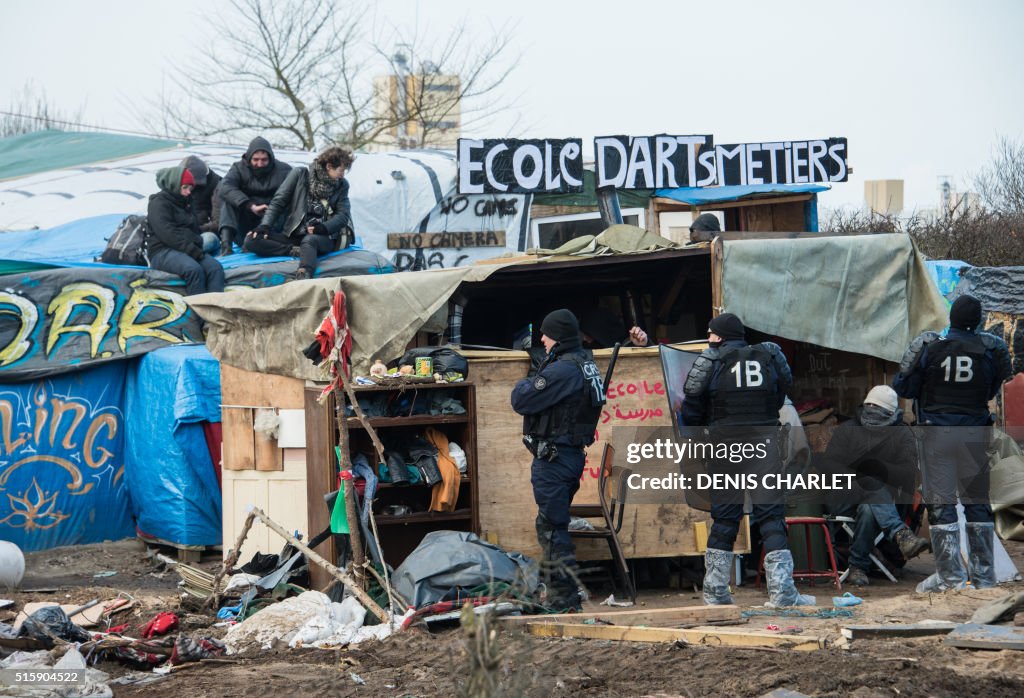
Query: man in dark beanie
(704, 228)
(951, 378)
(738, 389)
(560, 406)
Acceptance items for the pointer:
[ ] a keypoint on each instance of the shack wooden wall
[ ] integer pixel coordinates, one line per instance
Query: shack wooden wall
(636, 398)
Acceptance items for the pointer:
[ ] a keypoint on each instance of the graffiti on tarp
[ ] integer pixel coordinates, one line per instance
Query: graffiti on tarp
(61, 469)
(55, 324)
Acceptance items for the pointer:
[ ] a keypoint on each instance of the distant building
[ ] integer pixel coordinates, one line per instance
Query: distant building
(424, 108)
(884, 196)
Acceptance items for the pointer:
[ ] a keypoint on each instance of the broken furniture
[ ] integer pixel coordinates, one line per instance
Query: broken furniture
(611, 490)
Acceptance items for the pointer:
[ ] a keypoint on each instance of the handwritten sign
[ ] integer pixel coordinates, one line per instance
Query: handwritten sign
(420, 241)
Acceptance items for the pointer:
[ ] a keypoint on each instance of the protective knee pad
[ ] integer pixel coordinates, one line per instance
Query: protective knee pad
(940, 515)
(723, 534)
(774, 535)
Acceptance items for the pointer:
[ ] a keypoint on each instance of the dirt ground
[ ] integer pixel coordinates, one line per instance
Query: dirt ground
(422, 663)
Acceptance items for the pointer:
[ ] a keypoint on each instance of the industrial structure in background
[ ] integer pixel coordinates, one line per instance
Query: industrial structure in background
(424, 105)
(884, 196)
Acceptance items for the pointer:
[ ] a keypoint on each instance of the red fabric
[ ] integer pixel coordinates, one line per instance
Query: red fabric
(163, 623)
(214, 438)
(187, 178)
(333, 326)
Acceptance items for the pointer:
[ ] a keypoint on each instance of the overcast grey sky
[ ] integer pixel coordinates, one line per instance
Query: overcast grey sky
(920, 89)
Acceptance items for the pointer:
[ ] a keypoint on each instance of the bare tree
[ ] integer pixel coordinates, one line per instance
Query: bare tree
(1001, 183)
(301, 72)
(32, 111)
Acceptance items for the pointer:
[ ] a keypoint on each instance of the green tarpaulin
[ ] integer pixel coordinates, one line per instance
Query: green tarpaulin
(53, 150)
(869, 294)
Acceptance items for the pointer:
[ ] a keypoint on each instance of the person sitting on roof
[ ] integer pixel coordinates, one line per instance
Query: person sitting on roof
(315, 211)
(173, 237)
(704, 228)
(205, 198)
(246, 191)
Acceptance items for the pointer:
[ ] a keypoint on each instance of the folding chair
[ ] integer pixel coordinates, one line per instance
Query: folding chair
(611, 489)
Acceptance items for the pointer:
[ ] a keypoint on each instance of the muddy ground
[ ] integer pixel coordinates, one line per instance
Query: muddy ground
(422, 663)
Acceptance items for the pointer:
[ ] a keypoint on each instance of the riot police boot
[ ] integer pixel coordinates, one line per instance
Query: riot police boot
(717, 570)
(981, 554)
(949, 567)
(910, 545)
(778, 567)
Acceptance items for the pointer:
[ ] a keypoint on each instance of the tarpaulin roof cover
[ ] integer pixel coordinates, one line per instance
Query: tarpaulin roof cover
(701, 196)
(999, 289)
(170, 475)
(869, 294)
(51, 150)
(385, 312)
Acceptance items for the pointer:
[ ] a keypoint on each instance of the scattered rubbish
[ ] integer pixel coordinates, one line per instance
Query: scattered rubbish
(105, 573)
(50, 624)
(799, 613)
(922, 629)
(1004, 608)
(986, 637)
(357, 678)
(610, 601)
(4, 603)
(194, 649)
(161, 624)
(846, 599)
(772, 627)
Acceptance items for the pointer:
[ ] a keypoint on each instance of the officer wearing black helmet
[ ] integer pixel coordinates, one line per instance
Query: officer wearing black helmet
(738, 389)
(952, 378)
(560, 405)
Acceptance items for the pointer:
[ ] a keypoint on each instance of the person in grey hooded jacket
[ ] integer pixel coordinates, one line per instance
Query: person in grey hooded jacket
(312, 212)
(246, 191)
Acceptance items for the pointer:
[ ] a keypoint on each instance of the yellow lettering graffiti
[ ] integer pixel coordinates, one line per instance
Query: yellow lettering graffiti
(24, 311)
(98, 299)
(128, 326)
(104, 420)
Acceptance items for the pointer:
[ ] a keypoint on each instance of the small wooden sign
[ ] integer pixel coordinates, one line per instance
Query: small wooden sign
(427, 241)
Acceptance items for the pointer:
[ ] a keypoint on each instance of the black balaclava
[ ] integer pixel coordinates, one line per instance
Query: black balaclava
(727, 326)
(965, 313)
(561, 325)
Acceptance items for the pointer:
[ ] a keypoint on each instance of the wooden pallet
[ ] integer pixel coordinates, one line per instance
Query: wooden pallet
(185, 553)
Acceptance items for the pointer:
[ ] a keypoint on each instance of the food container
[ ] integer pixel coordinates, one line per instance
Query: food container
(424, 366)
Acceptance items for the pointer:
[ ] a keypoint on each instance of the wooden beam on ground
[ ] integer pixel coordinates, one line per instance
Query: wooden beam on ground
(860, 632)
(712, 637)
(663, 617)
(986, 637)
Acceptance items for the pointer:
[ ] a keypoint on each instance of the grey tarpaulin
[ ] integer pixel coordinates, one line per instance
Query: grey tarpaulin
(446, 561)
(868, 294)
(265, 330)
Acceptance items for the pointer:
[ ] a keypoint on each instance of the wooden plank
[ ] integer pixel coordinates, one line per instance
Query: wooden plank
(986, 637)
(251, 389)
(320, 478)
(860, 632)
(237, 447)
(696, 636)
(269, 457)
(682, 615)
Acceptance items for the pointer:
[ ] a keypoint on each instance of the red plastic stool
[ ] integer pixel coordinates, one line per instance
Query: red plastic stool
(811, 573)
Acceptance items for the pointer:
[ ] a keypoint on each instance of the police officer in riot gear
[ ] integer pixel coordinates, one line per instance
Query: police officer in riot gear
(952, 378)
(737, 389)
(560, 406)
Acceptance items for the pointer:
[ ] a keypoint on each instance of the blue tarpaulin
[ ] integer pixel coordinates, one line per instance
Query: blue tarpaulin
(945, 273)
(700, 196)
(170, 474)
(61, 463)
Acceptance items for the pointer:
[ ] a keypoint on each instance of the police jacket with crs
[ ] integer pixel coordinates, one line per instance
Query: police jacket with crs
(953, 377)
(563, 401)
(736, 384)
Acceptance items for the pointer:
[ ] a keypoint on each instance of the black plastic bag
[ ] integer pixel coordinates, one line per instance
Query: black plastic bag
(50, 622)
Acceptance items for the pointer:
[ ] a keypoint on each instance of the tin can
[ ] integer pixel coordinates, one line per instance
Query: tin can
(424, 366)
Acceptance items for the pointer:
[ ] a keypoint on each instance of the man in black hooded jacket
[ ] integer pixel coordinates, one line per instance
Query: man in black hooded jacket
(247, 190)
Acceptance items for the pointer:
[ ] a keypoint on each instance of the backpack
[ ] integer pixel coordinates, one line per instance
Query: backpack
(128, 244)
